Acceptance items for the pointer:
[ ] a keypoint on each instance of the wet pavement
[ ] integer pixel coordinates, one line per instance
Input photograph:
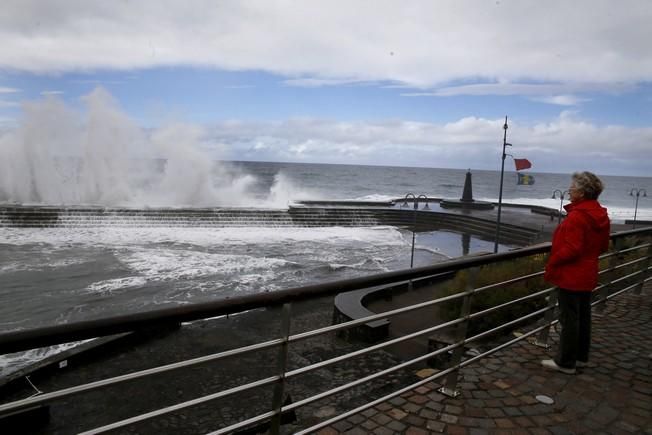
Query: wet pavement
(510, 393)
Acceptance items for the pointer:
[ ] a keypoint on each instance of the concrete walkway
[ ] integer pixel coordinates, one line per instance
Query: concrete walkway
(499, 395)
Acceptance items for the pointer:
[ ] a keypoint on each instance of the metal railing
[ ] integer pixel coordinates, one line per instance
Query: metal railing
(625, 267)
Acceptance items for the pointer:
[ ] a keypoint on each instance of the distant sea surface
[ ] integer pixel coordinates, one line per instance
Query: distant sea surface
(51, 276)
(309, 181)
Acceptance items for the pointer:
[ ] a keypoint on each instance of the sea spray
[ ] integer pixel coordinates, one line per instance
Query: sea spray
(99, 156)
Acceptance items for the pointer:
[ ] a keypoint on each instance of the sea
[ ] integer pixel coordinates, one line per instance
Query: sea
(58, 275)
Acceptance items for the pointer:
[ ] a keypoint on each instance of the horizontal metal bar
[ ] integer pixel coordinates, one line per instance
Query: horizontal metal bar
(371, 318)
(613, 295)
(506, 344)
(624, 251)
(78, 389)
(179, 406)
(515, 301)
(628, 276)
(620, 266)
(505, 325)
(410, 387)
(242, 424)
(376, 375)
(507, 282)
(373, 348)
(373, 403)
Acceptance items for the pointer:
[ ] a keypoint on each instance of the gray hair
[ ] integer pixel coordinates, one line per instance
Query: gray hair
(589, 184)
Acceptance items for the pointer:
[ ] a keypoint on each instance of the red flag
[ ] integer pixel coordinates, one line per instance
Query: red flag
(522, 164)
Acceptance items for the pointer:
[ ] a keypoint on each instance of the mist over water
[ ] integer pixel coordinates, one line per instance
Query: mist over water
(101, 157)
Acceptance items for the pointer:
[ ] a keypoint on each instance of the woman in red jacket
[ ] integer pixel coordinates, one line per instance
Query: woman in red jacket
(573, 268)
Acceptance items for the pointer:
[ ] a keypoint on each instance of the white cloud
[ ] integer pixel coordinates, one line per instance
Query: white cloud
(45, 93)
(421, 43)
(317, 82)
(5, 103)
(544, 90)
(561, 100)
(564, 144)
(4, 90)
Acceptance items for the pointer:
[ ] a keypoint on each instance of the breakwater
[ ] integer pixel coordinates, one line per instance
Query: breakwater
(23, 216)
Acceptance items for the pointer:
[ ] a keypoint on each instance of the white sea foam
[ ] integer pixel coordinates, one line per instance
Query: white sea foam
(376, 197)
(110, 285)
(115, 236)
(12, 362)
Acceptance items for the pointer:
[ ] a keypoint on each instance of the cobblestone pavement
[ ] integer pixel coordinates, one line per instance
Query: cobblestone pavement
(501, 394)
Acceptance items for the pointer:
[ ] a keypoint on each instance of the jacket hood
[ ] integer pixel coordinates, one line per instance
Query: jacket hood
(596, 214)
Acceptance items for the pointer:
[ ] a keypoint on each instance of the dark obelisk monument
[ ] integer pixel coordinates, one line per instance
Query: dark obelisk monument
(467, 201)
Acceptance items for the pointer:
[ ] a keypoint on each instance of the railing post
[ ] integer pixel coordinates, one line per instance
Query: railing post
(450, 383)
(646, 268)
(279, 388)
(542, 339)
(606, 289)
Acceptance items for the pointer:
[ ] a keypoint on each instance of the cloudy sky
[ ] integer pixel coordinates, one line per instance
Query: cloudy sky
(407, 83)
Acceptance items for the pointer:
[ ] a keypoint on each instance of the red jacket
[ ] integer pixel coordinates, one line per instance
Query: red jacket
(576, 244)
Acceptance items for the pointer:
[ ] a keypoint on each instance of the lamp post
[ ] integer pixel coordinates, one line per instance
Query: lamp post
(414, 220)
(562, 194)
(414, 223)
(636, 192)
(500, 195)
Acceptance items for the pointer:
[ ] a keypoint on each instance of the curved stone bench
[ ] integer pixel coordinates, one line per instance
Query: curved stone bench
(352, 305)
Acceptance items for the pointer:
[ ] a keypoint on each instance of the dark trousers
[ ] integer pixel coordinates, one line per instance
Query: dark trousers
(575, 319)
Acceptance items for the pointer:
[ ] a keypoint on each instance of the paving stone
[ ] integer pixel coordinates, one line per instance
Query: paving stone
(512, 411)
(447, 418)
(428, 414)
(396, 426)
(523, 422)
(413, 420)
(416, 431)
(472, 411)
(397, 401)
(451, 409)
(342, 426)
(414, 408)
(435, 426)
(369, 425)
(456, 430)
(381, 419)
(397, 414)
(356, 419)
(418, 399)
(504, 423)
(383, 431)
(494, 412)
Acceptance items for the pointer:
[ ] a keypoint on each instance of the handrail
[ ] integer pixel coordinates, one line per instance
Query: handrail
(25, 339)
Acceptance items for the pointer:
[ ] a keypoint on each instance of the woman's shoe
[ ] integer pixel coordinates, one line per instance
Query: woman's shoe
(551, 364)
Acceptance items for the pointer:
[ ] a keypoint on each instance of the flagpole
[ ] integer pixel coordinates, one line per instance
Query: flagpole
(500, 195)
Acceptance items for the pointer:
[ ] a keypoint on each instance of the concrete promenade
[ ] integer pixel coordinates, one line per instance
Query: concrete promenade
(500, 394)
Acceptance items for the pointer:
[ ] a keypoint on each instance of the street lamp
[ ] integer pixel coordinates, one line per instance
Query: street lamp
(562, 194)
(414, 221)
(636, 192)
